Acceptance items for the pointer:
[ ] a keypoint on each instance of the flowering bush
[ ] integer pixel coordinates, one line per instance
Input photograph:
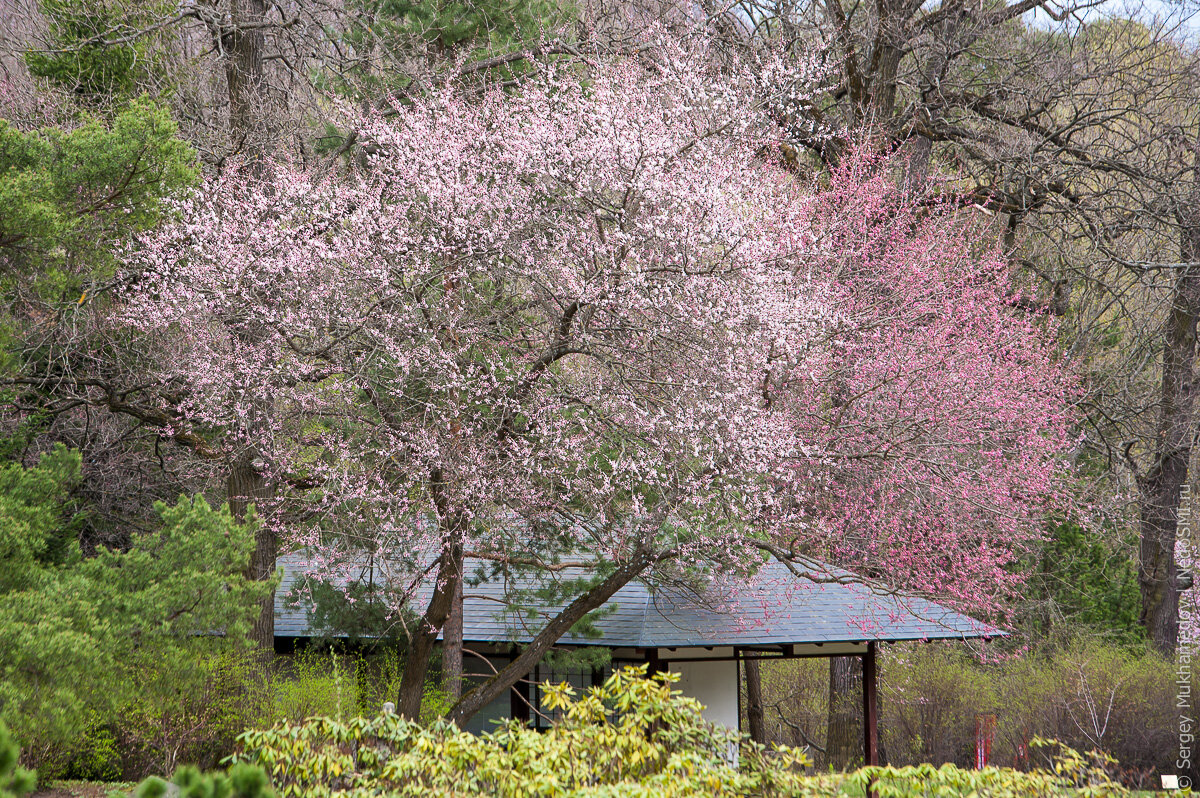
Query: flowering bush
(631, 736)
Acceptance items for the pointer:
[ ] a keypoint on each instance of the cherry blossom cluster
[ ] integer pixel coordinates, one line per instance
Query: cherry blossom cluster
(940, 411)
(595, 315)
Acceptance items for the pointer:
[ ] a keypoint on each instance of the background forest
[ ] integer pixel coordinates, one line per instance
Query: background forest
(316, 274)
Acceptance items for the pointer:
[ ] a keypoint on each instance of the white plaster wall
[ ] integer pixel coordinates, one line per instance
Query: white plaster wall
(714, 684)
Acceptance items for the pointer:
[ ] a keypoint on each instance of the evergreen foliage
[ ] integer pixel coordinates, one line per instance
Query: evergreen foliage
(73, 631)
(1085, 582)
(241, 781)
(399, 38)
(99, 49)
(15, 781)
(66, 196)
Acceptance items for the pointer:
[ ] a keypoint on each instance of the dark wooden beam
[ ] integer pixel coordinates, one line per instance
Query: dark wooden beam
(520, 698)
(870, 707)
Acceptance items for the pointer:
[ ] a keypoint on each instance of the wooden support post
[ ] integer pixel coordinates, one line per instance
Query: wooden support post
(870, 708)
(520, 697)
(655, 665)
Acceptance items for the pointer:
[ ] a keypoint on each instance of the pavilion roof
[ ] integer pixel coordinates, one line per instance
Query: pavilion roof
(774, 607)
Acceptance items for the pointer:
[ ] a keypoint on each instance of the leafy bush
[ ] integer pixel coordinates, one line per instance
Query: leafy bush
(241, 781)
(631, 736)
(191, 708)
(929, 698)
(1085, 774)
(82, 638)
(15, 781)
(628, 736)
(190, 711)
(167, 709)
(315, 683)
(1093, 695)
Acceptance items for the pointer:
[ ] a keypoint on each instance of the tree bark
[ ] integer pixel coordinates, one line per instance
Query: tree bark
(495, 687)
(242, 44)
(244, 75)
(883, 86)
(441, 603)
(452, 644)
(420, 649)
(754, 702)
(1161, 487)
(933, 72)
(246, 484)
(844, 731)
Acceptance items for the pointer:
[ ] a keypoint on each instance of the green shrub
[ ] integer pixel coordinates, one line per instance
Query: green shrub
(629, 736)
(929, 698)
(313, 683)
(1092, 695)
(95, 755)
(321, 682)
(15, 781)
(84, 637)
(1073, 772)
(189, 708)
(241, 781)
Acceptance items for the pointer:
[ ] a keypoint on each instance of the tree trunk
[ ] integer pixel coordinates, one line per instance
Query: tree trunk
(495, 687)
(243, 45)
(1161, 487)
(246, 485)
(452, 644)
(933, 71)
(883, 86)
(420, 649)
(441, 603)
(754, 702)
(844, 731)
(892, 43)
(246, 482)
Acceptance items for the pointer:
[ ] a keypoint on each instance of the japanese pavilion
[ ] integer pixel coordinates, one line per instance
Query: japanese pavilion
(705, 636)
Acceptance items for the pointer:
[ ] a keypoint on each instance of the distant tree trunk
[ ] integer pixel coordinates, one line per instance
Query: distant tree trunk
(844, 730)
(246, 481)
(246, 484)
(883, 83)
(244, 76)
(754, 701)
(1161, 487)
(933, 71)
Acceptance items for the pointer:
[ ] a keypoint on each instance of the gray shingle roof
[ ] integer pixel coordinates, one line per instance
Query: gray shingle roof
(774, 607)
